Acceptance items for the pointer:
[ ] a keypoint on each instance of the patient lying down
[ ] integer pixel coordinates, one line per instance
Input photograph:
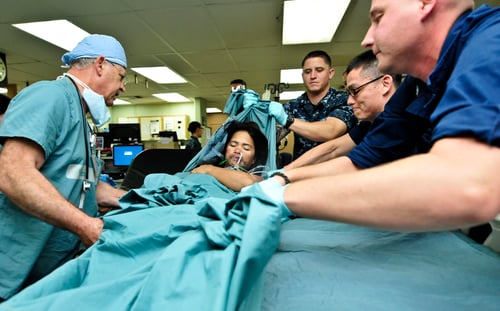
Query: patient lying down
(245, 156)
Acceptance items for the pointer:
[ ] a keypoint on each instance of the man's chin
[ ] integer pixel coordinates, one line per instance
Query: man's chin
(315, 91)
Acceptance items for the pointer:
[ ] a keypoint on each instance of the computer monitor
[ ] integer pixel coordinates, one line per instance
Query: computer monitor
(124, 154)
(125, 133)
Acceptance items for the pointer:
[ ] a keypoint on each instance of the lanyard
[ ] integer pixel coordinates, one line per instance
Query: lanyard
(86, 131)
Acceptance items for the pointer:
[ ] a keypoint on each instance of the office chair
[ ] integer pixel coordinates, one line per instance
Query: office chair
(149, 161)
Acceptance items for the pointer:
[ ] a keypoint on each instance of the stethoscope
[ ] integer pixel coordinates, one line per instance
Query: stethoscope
(87, 133)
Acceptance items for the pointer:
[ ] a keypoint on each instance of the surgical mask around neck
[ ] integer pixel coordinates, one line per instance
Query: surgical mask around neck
(95, 102)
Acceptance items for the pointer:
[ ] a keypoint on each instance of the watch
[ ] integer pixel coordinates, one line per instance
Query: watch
(3, 69)
(289, 122)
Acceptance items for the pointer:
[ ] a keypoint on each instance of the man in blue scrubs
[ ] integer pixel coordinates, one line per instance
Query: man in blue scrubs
(431, 159)
(49, 183)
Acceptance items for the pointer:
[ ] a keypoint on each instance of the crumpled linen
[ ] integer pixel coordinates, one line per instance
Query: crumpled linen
(171, 247)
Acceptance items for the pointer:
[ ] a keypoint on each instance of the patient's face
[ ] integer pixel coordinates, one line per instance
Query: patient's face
(240, 150)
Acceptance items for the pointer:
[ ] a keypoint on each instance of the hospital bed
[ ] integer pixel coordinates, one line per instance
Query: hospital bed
(186, 242)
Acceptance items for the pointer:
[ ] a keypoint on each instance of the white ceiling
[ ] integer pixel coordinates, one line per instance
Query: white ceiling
(208, 42)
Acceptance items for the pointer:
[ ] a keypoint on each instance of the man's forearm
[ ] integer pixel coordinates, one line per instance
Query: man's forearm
(328, 168)
(319, 131)
(451, 187)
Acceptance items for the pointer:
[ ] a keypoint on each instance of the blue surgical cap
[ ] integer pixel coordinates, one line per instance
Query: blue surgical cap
(97, 45)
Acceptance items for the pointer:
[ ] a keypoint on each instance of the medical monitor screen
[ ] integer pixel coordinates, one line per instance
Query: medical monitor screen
(124, 154)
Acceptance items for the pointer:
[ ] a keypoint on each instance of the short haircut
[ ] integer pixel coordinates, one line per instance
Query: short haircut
(4, 103)
(318, 53)
(238, 81)
(193, 126)
(368, 62)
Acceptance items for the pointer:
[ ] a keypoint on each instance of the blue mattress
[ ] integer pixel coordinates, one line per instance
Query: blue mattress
(321, 265)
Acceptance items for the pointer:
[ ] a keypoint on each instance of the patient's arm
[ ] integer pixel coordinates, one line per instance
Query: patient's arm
(324, 152)
(233, 179)
(24, 184)
(455, 185)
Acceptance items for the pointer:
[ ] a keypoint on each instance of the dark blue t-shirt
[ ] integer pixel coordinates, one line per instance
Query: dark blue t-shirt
(459, 100)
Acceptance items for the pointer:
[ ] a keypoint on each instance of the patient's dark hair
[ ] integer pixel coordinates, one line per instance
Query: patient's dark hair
(259, 139)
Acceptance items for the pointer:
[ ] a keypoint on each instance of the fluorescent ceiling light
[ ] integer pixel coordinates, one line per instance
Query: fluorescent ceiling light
(213, 110)
(288, 95)
(120, 102)
(172, 97)
(311, 21)
(291, 76)
(160, 75)
(58, 32)
(3, 90)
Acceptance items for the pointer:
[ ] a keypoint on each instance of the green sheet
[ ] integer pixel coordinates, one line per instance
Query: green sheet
(172, 247)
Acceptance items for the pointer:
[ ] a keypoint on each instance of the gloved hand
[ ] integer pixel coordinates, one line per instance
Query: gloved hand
(250, 98)
(278, 112)
(274, 190)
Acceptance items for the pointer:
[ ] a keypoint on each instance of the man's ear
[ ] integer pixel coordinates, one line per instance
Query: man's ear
(99, 64)
(331, 73)
(426, 8)
(387, 82)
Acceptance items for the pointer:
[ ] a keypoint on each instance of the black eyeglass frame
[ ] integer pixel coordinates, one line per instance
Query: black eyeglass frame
(123, 78)
(354, 92)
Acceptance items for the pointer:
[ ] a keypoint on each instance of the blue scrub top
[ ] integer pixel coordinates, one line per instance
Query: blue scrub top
(48, 113)
(459, 100)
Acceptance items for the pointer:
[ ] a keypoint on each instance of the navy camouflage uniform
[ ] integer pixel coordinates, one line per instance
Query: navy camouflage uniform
(334, 104)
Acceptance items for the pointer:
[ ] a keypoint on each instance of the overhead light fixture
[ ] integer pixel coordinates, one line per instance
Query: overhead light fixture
(121, 102)
(3, 90)
(300, 28)
(172, 97)
(289, 95)
(291, 76)
(160, 74)
(213, 110)
(59, 32)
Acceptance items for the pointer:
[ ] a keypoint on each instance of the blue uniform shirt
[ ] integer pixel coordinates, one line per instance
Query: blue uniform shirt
(459, 100)
(334, 104)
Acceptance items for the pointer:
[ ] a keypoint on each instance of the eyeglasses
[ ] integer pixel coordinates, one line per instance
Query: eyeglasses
(123, 78)
(354, 92)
